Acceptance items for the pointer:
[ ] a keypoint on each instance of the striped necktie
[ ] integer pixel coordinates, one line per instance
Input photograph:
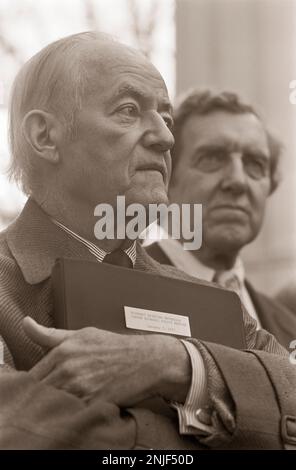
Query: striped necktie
(118, 258)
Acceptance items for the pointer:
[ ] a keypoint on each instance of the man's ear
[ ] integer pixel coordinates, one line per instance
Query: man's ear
(41, 130)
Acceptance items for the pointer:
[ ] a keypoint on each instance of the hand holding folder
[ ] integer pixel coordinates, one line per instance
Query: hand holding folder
(122, 300)
(118, 299)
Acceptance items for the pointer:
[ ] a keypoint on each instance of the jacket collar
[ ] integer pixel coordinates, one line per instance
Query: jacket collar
(36, 243)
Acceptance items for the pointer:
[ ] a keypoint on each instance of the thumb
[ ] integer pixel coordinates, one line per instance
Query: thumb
(45, 337)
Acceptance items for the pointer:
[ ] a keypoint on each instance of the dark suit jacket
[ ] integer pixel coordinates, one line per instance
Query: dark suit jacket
(287, 296)
(243, 386)
(274, 316)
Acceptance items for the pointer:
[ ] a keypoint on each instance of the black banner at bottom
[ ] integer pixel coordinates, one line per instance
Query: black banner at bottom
(143, 458)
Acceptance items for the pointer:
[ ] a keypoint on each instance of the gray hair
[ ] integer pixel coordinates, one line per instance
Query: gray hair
(53, 80)
(202, 102)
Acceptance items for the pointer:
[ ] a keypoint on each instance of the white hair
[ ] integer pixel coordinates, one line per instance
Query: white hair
(53, 80)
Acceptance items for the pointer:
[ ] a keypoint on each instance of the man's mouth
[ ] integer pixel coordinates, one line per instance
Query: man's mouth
(230, 207)
(155, 167)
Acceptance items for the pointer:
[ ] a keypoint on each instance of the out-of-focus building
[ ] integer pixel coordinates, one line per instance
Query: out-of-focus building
(249, 46)
(11, 199)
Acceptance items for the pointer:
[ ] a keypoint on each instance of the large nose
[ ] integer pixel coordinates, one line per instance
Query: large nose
(157, 135)
(235, 178)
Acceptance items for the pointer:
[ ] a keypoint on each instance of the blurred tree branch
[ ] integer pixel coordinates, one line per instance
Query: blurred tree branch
(6, 45)
(144, 32)
(91, 16)
(9, 49)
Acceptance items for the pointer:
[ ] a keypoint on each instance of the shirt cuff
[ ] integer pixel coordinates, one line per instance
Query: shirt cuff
(197, 398)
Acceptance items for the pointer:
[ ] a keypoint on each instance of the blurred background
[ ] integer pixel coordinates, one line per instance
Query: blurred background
(248, 46)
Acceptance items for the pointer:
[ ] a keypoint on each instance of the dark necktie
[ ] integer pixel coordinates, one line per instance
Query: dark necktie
(119, 258)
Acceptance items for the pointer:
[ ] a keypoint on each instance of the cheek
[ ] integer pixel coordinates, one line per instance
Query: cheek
(259, 195)
(108, 141)
(189, 187)
(203, 189)
(258, 200)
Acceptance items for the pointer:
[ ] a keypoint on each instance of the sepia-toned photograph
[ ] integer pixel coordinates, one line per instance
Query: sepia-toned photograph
(147, 229)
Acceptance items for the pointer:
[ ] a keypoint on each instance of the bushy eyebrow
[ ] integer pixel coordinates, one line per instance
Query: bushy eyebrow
(229, 147)
(139, 95)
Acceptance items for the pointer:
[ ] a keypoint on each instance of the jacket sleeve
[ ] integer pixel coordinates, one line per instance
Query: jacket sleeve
(285, 386)
(244, 408)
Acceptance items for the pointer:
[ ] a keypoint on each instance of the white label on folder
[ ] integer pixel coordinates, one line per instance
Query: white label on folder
(160, 322)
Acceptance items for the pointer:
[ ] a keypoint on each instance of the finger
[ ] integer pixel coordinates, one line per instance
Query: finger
(45, 337)
(68, 380)
(43, 368)
(56, 379)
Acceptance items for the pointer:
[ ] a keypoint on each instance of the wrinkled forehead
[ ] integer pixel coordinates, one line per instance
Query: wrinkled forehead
(226, 128)
(113, 67)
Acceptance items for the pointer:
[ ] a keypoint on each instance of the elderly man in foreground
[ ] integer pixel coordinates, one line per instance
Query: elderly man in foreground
(91, 120)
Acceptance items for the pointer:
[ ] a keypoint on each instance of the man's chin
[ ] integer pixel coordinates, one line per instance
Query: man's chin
(157, 195)
(228, 238)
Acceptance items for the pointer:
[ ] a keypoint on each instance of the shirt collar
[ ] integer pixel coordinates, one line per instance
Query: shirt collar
(237, 270)
(97, 252)
(187, 262)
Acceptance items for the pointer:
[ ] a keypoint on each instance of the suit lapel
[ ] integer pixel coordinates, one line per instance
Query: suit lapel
(36, 242)
(156, 252)
(144, 262)
(274, 317)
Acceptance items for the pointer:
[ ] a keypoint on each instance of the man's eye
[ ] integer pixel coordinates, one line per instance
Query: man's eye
(128, 110)
(210, 162)
(256, 168)
(169, 121)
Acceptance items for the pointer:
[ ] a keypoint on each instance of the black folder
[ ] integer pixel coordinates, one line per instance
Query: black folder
(89, 293)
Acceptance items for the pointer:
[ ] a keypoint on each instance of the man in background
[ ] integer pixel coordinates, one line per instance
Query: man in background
(225, 159)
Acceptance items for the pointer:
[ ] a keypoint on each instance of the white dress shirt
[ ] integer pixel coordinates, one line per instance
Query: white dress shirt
(187, 262)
